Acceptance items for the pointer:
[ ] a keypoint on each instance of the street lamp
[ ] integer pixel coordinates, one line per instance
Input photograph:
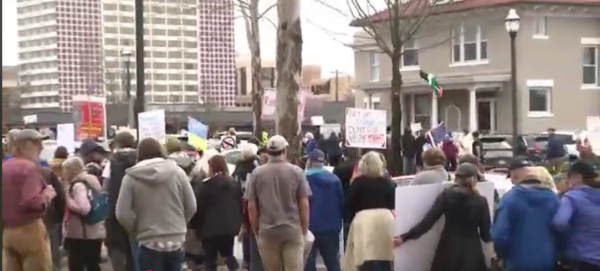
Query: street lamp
(512, 23)
(126, 55)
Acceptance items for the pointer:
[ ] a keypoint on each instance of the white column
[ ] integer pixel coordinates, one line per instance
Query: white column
(404, 111)
(472, 109)
(370, 101)
(434, 112)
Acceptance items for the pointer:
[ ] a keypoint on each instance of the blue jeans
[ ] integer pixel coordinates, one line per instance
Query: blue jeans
(328, 245)
(135, 253)
(161, 260)
(409, 166)
(55, 244)
(255, 260)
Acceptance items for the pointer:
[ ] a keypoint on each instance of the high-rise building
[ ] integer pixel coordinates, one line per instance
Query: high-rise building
(69, 48)
(60, 51)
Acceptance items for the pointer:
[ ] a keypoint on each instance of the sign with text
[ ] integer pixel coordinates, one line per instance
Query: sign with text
(366, 128)
(88, 115)
(152, 124)
(270, 100)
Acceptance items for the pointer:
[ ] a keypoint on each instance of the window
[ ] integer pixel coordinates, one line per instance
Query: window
(469, 44)
(591, 71)
(410, 54)
(540, 27)
(375, 102)
(422, 109)
(243, 81)
(540, 98)
(374, 58)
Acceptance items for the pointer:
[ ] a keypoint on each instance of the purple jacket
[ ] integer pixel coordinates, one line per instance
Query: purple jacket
(579, 218)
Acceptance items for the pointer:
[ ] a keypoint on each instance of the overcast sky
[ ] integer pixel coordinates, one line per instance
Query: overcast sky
(324, 31)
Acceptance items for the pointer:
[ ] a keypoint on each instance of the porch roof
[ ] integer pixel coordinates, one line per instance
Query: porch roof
(494, 79)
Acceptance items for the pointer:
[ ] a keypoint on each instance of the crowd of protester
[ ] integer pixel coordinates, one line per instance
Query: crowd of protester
(154, 207)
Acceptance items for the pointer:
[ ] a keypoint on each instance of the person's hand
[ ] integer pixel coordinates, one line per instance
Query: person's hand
(398, 241)
(243, 232)
(49, 192)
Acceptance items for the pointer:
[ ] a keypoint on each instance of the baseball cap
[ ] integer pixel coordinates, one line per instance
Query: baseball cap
(276, 143)
(518, 163)
(27, 134)
(467, 170)
(90, 146)
(317, 156)
(583, 168)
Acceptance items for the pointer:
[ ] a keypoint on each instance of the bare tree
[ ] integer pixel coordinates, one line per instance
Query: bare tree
(390, 29)
(289, 69)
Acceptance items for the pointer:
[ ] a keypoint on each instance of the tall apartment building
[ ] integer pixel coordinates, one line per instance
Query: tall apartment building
(69, 48)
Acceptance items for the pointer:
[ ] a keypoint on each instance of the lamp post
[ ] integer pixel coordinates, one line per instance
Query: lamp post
(127, 54)
(512, 23)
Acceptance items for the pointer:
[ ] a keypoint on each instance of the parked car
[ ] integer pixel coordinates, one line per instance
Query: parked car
(498, 150)
(569, 138)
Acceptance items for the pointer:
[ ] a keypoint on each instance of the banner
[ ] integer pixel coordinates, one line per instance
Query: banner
(65, 136)
(412, 203)
(152, 124)
(269, 104)
(366, 128)
(88, 115)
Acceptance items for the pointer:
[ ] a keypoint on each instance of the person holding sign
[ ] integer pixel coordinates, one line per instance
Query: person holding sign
(468, 222)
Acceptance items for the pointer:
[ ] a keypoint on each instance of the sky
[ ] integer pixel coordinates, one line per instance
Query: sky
(325, 31)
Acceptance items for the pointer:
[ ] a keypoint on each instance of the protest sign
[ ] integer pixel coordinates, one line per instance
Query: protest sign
(152, 124)
(366, 128)
(412, 204)
(269, 104)
(65, 136)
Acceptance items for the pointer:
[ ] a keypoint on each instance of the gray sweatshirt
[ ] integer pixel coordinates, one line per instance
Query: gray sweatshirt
(156, 201)
(431, 175)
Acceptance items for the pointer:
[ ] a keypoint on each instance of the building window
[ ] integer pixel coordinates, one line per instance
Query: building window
(469, 44)
(591, 71)
(410, 54)
(422, 109)
(375, 103)
(540, 98)
(243, 81)
(374, 66)
(540, 27)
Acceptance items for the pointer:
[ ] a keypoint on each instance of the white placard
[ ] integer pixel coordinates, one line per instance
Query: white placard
(327, 128)
(152, 124)
(412, 203)
(65, 136)
(366, 128)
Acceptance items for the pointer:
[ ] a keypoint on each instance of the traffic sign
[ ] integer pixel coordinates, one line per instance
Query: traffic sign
(228, 143)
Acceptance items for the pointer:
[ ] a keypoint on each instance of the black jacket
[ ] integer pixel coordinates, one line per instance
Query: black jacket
(331, 146)
(409, 145)
(55, 214)
(122, 159)
(468, 223)
(219, 207)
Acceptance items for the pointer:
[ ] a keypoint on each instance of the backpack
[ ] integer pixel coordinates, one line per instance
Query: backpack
(98, 204)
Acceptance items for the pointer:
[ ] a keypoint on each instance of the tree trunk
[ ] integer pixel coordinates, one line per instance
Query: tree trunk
(289, 70)
(395, 157)
(251, 19)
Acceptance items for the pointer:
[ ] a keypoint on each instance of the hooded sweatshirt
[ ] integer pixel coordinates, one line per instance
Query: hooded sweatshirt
(156, 201)
(327, 201)
(579, 218)
(522, 226)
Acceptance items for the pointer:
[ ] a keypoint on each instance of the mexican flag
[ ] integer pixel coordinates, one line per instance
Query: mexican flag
(433, 83)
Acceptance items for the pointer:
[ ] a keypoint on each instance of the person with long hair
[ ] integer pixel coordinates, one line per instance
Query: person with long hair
(369, 204)
(219, 216)
(83, 240)
(468, 223)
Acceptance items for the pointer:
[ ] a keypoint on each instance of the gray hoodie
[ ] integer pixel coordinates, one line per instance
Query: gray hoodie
(156, 201)
(432, 175)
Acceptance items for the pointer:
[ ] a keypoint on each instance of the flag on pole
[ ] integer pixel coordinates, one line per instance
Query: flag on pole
(437, 135)
(433, 83)
(197, 134)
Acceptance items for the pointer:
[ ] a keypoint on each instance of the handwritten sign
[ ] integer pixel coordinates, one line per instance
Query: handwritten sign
(366, 128)
(152, 124)
(270, 100)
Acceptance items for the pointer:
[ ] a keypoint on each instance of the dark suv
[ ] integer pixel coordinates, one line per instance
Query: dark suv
(498, 150)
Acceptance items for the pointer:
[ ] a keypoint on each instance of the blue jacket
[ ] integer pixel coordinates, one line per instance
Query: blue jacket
(579, 218)
(311, 145)
(326, 202)
(522, 232)
(555, 148)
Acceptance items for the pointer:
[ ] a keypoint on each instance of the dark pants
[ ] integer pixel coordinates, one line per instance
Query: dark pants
(55, 244)
(255, 260)
(409, 166)
(376, 266)
(220, 245)
(84, 255)
(451, 163)
(121, 259)
(154, 260)
(334, 160)
(246, 249)
(328, 245)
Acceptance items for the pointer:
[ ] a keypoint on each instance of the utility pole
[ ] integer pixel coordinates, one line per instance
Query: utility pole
(140, 93)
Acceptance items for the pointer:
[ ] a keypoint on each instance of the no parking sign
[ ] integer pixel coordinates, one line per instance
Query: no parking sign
(228, 143)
